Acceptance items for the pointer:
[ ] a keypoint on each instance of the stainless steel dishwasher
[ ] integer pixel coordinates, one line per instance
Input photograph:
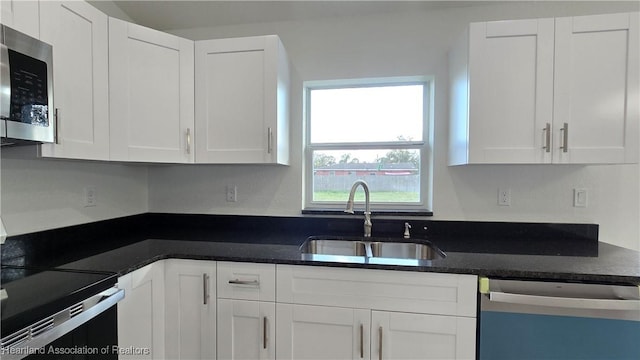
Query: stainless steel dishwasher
(557, 320)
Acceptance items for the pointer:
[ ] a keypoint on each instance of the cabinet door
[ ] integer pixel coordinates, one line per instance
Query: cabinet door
(510, 91)
(151, 94)
(191, 309)
(246, 329)
(21, 15)
(418, 336)
(79, 35)
(596, 89)
(321, 332)
(240, 90)
(141, 312)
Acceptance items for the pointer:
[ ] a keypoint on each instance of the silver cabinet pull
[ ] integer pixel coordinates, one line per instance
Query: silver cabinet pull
(264, 332)
(547, 138)
(269, 140)
(244, 282)
(565, 137)
(361, 341)
(56, 122)
(205, 289)
(380, 343)
(188, 141)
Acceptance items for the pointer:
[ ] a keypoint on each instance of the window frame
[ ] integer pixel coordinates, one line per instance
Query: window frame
(424, 146)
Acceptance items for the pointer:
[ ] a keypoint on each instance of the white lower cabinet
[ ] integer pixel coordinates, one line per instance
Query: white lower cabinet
(246, 311)
(331, 333)
(190, 309)
(398, 335)
(340, 313)
(141, 312)
(246, 329)
(322, 332)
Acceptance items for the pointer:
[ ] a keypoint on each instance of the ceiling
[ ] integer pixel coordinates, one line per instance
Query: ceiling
(182, 14)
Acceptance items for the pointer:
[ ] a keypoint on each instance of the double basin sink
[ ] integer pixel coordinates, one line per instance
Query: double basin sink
(371, 248)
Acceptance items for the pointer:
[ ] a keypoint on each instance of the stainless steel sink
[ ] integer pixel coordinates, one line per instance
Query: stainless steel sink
(372, 248)
(334, 247)
(402, 250)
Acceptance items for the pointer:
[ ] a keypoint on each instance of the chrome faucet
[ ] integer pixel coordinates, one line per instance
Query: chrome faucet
(367, 211)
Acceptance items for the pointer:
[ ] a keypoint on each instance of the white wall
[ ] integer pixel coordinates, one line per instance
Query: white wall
(397, 45)
(41, 194)
(38, 194)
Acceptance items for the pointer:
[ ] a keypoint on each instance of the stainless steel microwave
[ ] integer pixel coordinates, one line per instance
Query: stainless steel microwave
(26, 89)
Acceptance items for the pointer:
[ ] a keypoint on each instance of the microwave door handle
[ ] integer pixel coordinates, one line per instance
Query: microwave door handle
(564, 302)
(5, 83)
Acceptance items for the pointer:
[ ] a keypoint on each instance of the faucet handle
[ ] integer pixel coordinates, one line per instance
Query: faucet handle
(407, 234)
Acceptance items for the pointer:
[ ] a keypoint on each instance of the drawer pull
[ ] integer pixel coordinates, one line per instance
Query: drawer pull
(244, 282)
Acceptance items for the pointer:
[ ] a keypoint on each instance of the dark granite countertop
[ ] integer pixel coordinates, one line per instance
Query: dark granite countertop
(612, 265)
(568, 252)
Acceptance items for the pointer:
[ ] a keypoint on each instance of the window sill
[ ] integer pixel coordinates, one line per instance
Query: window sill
(374, 212)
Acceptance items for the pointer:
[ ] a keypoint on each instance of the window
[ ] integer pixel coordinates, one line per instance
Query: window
(376, 131)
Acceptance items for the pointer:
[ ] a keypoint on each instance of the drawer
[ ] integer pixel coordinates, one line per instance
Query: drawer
(406, 291)
(246, 281)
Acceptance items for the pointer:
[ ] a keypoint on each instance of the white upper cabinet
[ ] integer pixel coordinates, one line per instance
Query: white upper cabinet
(546, 91)
(79, 35)
(21, 15)
(151, 95)
(502, 98)
(242, 89)
(596, 89)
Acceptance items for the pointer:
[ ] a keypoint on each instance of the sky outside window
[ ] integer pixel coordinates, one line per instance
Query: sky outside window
(366, 114)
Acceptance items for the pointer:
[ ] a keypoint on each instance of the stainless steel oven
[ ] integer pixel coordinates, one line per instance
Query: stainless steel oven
(58, 314)
(26, 89)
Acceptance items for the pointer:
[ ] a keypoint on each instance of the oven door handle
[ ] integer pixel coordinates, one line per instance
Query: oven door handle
(64, 322)
(564, 302)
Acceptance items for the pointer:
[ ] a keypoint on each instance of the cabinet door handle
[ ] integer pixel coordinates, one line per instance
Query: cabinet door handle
(188, 141)
(269, 140)
(547, 138)
(244, 282)
(264, 332)
(565, 137)
(56, 123)
(380, 343)
(361, 341)
(205, 289)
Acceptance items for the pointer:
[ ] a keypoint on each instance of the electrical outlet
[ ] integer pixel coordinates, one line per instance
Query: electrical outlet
(90, 197)
(504, 197)
(580, 198)
(232, 193)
